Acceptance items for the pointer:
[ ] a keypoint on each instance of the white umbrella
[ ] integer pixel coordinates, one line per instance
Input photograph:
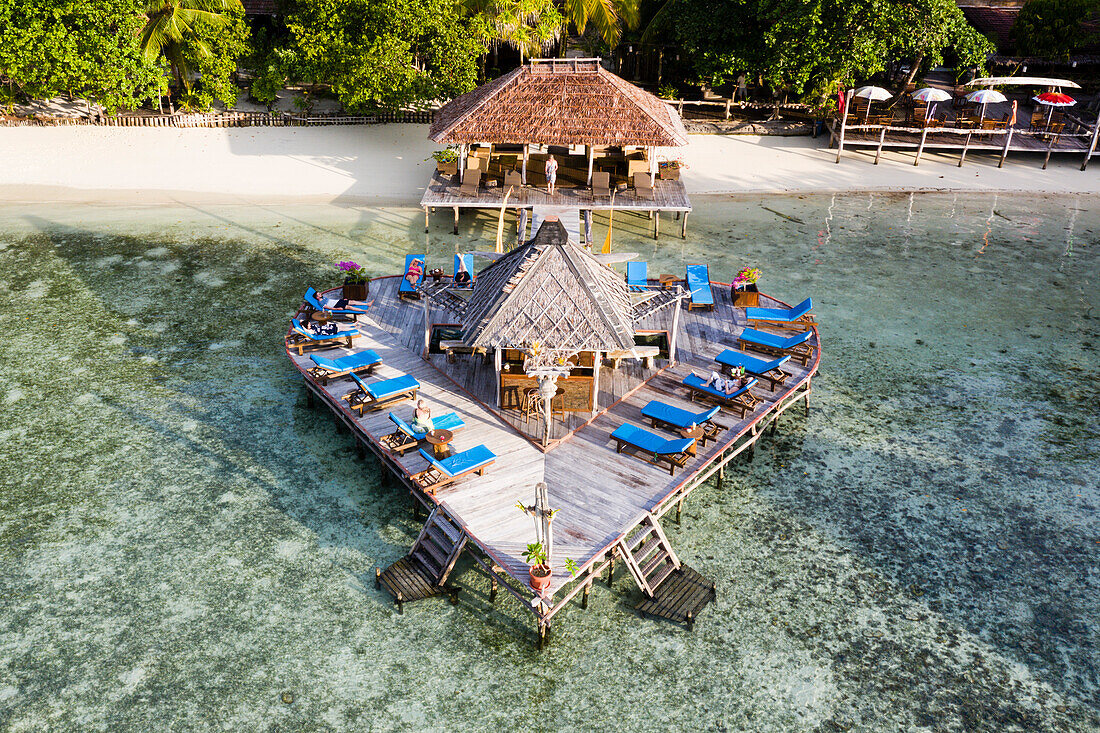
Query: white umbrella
(984, 97)
(872, 94)
(933, 95)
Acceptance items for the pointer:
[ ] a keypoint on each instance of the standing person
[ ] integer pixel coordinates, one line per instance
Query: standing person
(742, 92)
(551, 174)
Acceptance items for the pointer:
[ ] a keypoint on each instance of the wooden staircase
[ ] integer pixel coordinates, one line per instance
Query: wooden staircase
(673, 590)
(423, 572)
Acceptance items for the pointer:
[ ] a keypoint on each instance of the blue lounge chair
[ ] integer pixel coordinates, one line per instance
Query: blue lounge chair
(698, 282)
(405, 437)
(796, 346)
(742, 400)
(637, 274)
(405, 290)
(768, 370)
(674, 418)
(468, 260)
(675, 452)
(383, 393)
(314, 301)
(303, 337)
(361, 361)
(796, 317)
(449, 470)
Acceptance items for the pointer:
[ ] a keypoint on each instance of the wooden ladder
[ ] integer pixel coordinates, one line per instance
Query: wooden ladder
(423, 572)
(649, 556)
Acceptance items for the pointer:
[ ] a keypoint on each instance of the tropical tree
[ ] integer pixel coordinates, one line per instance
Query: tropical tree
(529, 26)
(1055, 28)
(181, 32)
(608, 17)
(84, 47)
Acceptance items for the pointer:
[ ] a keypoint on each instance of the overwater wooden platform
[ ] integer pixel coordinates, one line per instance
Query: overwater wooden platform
(601, 496)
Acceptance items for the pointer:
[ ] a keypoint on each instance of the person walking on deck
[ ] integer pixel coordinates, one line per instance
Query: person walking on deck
(551, 175)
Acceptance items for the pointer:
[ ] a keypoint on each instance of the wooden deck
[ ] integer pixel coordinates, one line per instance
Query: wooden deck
(601, 495)
(443, 191)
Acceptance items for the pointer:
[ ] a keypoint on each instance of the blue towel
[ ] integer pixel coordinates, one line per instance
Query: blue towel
(467, 460)
(450, 421)
(636, 276)
(734, 358)
(697, 382)
(650, 442)
(698, 282)
(779, 314)
(764, 338)
(675, 416)
(389, 387)
(358, 360)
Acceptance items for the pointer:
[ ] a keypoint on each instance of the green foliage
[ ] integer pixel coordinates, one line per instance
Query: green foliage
(87, 47)
(535, 554)
(446, 155)
(382, 53)
(1055, 28)
(529, 26)
(571, 566)
(808, 48)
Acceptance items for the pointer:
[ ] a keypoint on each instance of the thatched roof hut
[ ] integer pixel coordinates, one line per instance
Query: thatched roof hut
(552, 292)
(559, 102)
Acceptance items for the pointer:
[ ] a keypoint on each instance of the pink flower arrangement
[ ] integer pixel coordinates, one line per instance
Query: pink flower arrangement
(747, 276)
(352, 272)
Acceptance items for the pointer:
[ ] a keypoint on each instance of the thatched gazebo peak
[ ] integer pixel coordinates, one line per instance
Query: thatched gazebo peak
(552, 292)
(559, 102)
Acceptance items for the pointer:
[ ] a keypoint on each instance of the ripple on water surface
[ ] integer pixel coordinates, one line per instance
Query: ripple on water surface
(186, 546)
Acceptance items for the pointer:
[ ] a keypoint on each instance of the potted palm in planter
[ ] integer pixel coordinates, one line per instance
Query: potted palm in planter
(743, 290)
(538, 552)
(446, 161)
(540, 567)
(356, 282)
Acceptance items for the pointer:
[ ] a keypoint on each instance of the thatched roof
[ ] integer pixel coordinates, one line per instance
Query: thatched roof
(553, 292)
(559, 102)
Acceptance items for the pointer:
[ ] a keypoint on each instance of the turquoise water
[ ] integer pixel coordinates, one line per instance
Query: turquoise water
(184, 545)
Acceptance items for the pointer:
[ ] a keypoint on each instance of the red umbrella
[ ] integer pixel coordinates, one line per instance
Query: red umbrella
(1054, 99)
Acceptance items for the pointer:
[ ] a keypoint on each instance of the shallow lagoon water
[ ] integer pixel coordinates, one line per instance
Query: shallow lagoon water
(184, 545)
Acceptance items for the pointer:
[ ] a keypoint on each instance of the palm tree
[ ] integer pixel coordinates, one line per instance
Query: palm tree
(607, 16)
(171, 22)
(529, 26)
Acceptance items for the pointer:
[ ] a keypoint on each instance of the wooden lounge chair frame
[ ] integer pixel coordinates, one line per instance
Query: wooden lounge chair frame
(674, 460)
(299, 341)
(711, 429)
(324, 376)
(431, 479)
(359, 400)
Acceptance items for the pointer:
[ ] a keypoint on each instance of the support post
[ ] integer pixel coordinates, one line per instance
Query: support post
(679, 508)
(461, 161)
(427, 326)
(675, 331)
(309, 397)
(492, 589)
(596, 363)
(844, 123)
(523, 170)
(496, 367)
(590, 155)
(1004, 150)
(456, 220)
(652, 165)
(920, 147)
(721, 476)
(684, 226)
(881, 140)
(656, 224)
(1053, 140)
(611, 569)
(425, 219)
(966, 144)
(1092, 144)
(587, 214)
(587, 590)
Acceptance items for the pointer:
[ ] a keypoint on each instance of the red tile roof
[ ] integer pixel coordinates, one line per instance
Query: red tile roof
(993, 22)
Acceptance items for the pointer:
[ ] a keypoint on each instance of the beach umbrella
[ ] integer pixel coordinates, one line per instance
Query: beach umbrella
(872, 94)
(1054, 99)
(984, 97)
(933, 95)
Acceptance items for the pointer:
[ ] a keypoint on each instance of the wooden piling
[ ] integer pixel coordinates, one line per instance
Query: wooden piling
(425, 219)
(456, 220)
(966, 144)
(584, 596)
(1004, 151)
(920, 147)
(881, 140)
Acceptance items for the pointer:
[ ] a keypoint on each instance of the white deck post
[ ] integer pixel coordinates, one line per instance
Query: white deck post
(461, 161)
(844, 123)
(652, 165)
(496, 366)
(523, 171)
(672, 336)
(1004, 151)
(881, 140)
(596, 360)
(966, 144)
(427, 326)
(589, 164)
(920, 148)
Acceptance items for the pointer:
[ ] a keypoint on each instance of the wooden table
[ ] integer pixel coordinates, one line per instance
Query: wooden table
(439, 440)
(647, 353)
(696, 434)
(668, 281)
(322, 316)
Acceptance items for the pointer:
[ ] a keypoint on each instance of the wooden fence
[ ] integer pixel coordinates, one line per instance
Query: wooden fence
(226, 119)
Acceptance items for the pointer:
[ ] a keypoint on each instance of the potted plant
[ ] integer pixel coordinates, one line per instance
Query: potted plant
(446, 161)
(743, 290)
(669, 170)
(540, 569)
(356, 282)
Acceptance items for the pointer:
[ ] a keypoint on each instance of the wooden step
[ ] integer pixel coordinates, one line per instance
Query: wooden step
(440, 538)
(653, 541)
(432, 567)
(644, 531)
(655, 582)
(658, 557)
(680, 599)
(444, 524)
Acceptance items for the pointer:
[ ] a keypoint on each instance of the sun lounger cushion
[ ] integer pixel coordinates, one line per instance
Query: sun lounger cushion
(302, 330)
(779, 314)
(696, 382)
(752, 336)
(460, 463)
(314, 301)
(450, 421)
(698, 282)
(734, 358)
(358, 360)
(670, 415)
(650, 442)
(405, 287)
(636, 274)
(384, 388)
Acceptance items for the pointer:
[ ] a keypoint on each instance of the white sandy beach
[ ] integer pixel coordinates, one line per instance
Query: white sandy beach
(385, 164)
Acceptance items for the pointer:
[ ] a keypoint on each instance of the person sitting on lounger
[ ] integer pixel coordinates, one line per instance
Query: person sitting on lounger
(422, 418)
(729, 386)
(416, 271)
(462, 277)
